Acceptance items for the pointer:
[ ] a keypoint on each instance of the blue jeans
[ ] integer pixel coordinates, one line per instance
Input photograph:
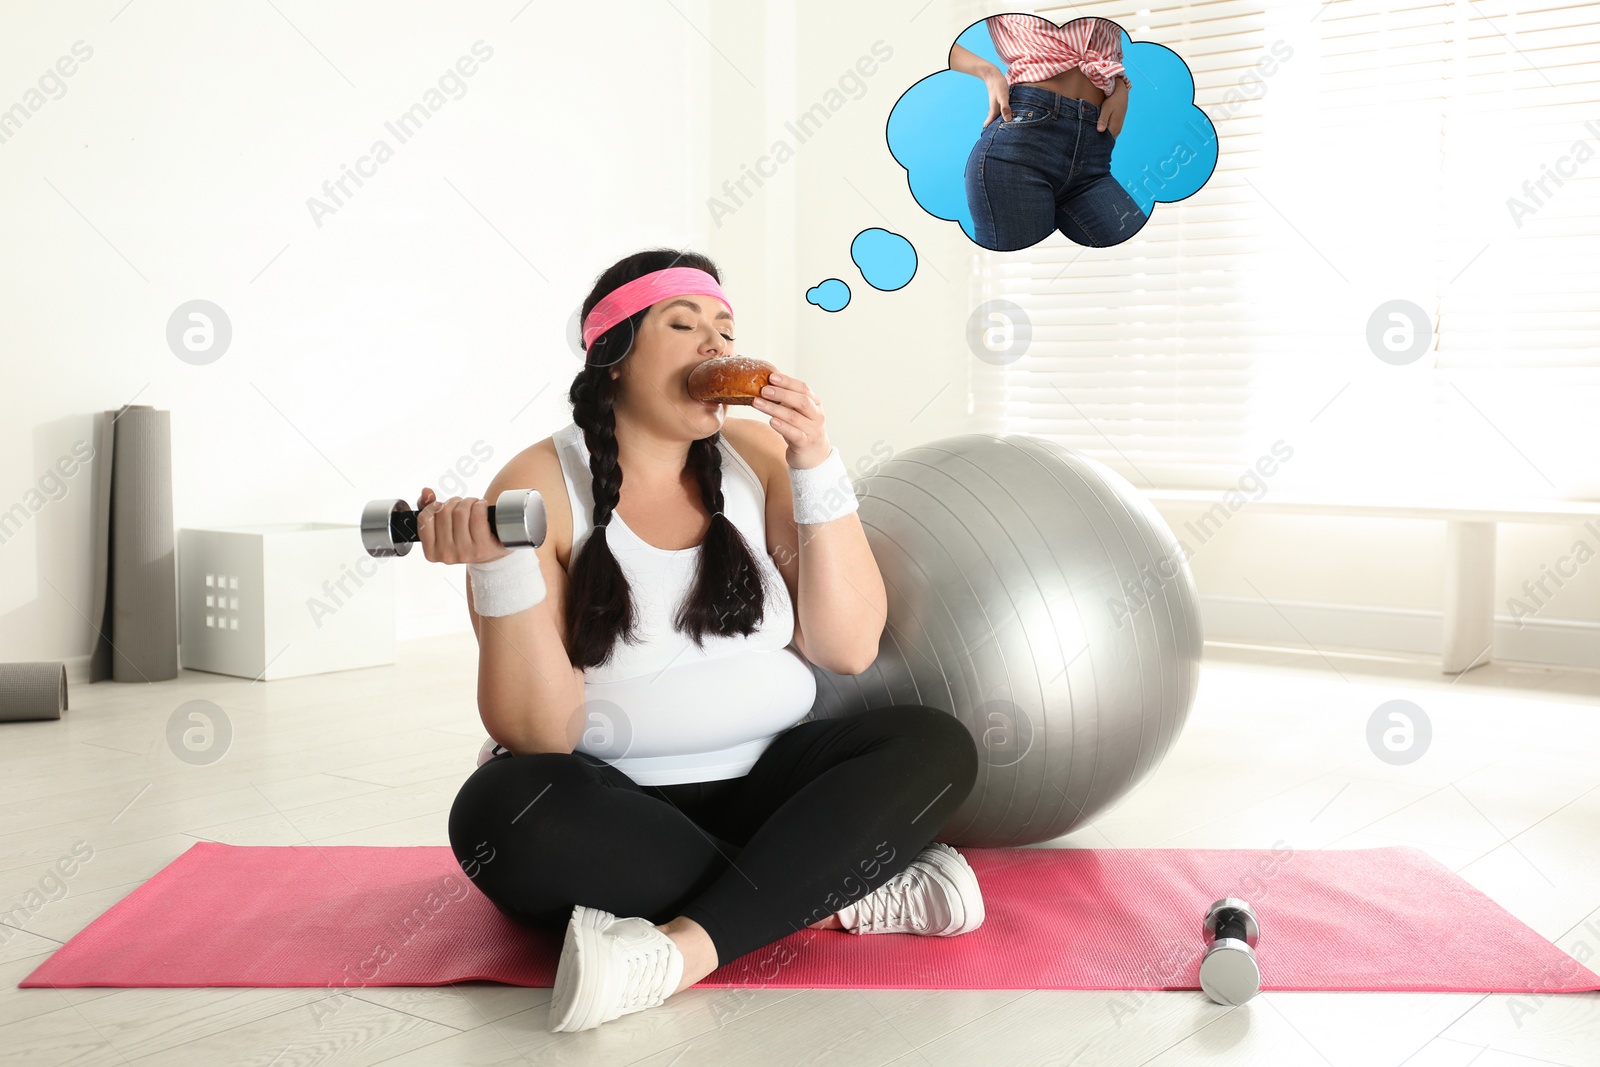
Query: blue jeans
(1047, 169)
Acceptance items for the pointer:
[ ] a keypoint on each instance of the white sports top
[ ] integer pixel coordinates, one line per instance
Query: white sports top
(662, 710)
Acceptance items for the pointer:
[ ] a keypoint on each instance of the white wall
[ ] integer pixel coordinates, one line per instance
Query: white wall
(370, 353)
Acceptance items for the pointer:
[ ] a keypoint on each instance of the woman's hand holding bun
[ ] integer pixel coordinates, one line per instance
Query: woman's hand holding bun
(795, 411)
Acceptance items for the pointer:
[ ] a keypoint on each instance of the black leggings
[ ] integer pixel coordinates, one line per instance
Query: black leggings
(832, 810)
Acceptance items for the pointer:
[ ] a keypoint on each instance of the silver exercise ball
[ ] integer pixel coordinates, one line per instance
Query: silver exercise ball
(1039, 598)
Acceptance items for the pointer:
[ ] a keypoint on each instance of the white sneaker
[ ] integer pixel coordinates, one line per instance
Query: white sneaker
(611, 967)
(937, 895)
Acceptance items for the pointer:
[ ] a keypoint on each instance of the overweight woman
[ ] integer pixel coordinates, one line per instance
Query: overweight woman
(648, 783)
(1047, 164)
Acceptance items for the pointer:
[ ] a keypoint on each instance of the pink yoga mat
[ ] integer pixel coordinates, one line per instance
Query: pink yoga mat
(351, 915)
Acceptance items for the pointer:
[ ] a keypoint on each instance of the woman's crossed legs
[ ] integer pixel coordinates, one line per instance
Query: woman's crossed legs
(831, 811)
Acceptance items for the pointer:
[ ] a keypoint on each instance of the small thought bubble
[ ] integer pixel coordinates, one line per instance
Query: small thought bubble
(886, 260)
(830, 295)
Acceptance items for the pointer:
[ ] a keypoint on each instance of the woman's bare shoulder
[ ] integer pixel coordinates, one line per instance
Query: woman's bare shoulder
(538, 467)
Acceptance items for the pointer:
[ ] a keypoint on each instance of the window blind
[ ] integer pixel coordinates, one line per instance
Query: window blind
(1367, 153)
(1518, 387)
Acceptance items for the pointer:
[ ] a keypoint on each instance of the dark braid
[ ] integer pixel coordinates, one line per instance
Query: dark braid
(599, 603)
(727, 596)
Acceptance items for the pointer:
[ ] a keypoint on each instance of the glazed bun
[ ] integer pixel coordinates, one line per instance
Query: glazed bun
(729, 380)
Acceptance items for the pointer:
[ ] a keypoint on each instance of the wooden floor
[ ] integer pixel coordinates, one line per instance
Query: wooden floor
(1508, 795)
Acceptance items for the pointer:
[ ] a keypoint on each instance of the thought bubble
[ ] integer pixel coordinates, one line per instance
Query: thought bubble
(886, 260)
(830, 295)
(1165, 152)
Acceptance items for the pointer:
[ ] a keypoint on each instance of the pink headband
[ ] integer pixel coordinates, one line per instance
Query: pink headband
(642, 292)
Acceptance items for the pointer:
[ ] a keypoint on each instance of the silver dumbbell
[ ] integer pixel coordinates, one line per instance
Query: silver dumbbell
(389, 527)
(1228, 972)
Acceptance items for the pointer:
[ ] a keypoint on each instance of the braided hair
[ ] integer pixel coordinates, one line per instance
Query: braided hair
(727, 596)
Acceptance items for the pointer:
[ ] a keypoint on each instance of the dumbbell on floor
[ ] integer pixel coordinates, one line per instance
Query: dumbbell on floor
(1228, 972)
(517, 517)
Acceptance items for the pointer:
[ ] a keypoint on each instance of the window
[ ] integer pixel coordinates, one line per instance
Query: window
(1375, 158)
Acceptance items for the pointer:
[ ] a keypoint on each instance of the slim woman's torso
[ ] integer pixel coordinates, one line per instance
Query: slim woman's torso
(1073, 84)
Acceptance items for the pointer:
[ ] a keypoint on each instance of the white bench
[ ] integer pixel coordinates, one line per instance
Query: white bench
(1469, 548)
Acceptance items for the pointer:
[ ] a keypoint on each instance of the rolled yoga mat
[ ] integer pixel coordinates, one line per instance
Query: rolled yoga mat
(1391, 919)
(135, 563)
(32, 691)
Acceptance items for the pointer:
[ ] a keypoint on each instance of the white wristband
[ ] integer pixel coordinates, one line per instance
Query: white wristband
(507, 585)
(823, 492)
